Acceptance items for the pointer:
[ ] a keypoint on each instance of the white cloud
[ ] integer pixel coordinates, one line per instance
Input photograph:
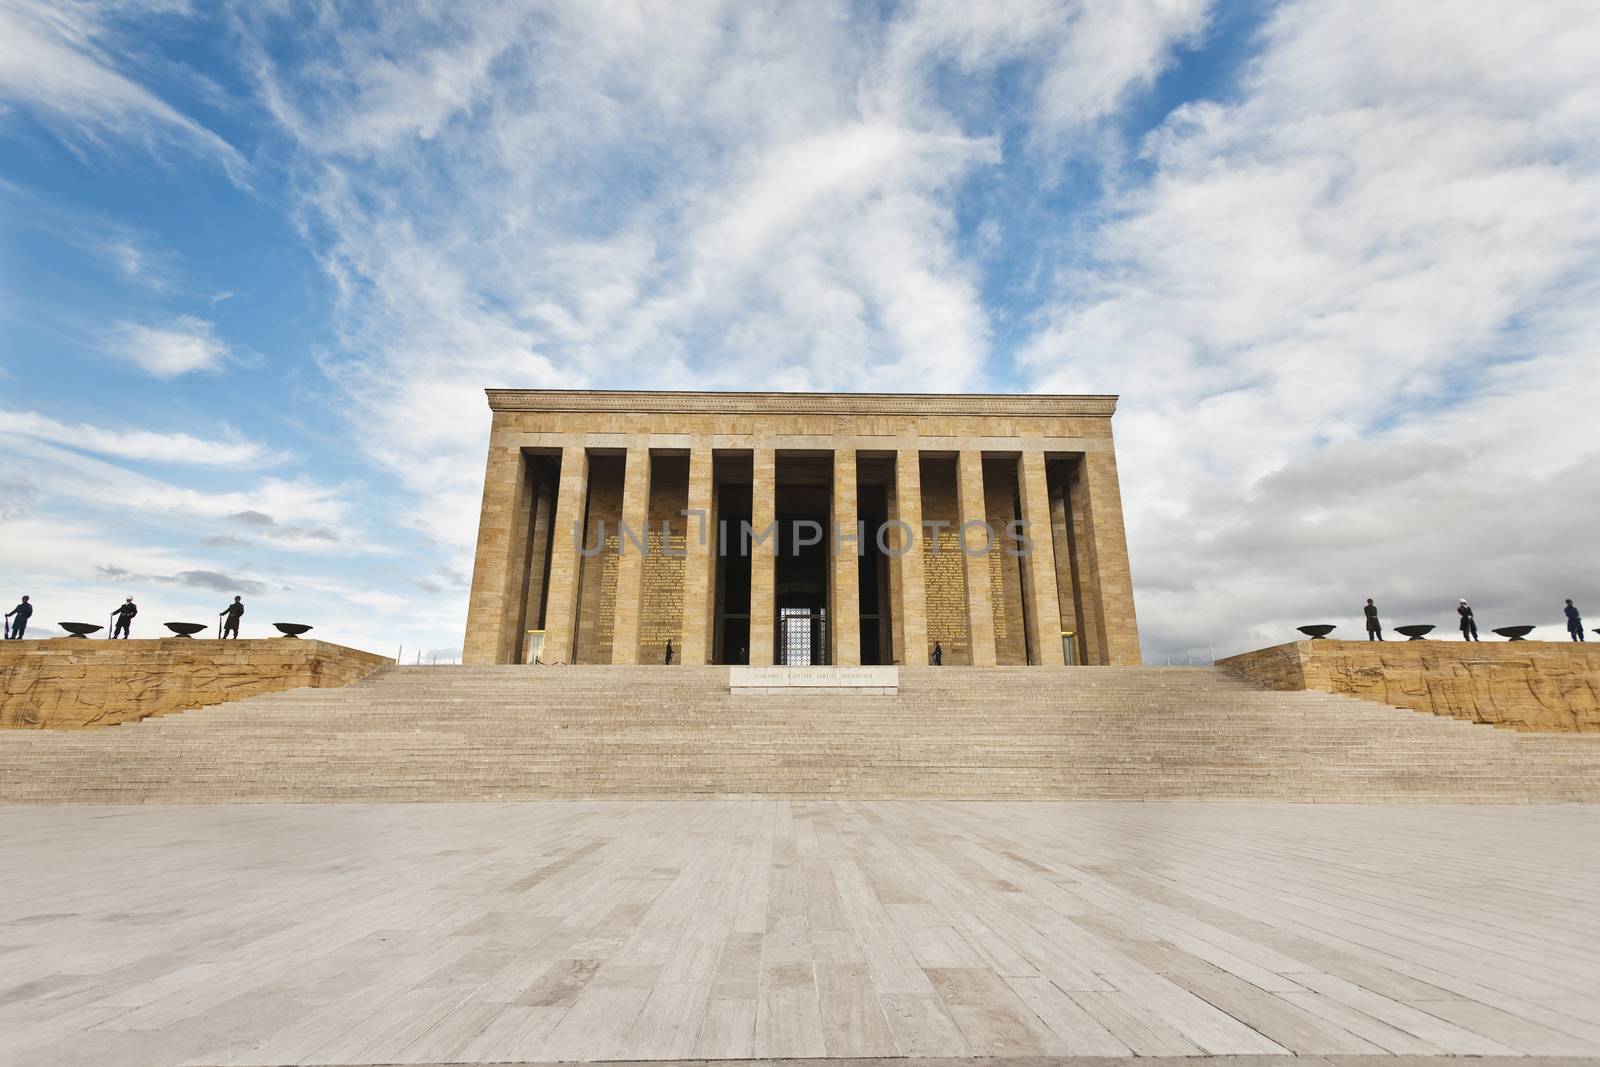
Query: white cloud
(56, 59)
(1352, 316)
(181, 346)
(705, 193)
(131, 444)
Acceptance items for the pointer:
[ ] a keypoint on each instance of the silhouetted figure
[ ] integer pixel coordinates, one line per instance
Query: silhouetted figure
(1574, 621)
(1469, 625)
(124, 617)
(234, 613)
(669, 650)
(1374, 627)
(938, 654)
(17, 620)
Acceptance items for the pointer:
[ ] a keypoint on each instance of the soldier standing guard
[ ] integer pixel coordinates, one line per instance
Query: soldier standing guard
(1469, 625)
(124, 616)
(1574, 621)
(234, 613)
(1374, 627)
(938, 654)
(17, 620)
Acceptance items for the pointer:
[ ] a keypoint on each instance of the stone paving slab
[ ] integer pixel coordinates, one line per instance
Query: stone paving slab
(1121, 1061)
(253, 935)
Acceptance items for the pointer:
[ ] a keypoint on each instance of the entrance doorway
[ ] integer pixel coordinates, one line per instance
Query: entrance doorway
(802, 592)
(803, 560)
(802, 636)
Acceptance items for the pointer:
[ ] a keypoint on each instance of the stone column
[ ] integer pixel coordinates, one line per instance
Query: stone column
(1076, 608)
(700, 542)
(561, 608)
(975, 561)
(497, 570)
(538, 547)
(912, 605)
(1039, 564)
(1108, 544)
(629, 603)
(1084, 567)
(844, 576)
(763, 554)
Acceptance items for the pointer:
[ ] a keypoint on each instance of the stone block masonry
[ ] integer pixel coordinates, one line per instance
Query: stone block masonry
(70, 684)
(943, 566)
(663, 589)
(1543, 686)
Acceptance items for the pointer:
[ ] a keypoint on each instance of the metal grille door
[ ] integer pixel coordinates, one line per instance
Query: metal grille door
(803, 636)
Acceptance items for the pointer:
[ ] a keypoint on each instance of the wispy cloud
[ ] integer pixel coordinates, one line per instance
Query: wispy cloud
(298, 514)
(132, 254)
(182, 345)
(56, 59)
(136, 444)
(135, 262)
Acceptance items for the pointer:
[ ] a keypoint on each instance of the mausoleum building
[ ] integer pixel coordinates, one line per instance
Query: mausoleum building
(800, 528)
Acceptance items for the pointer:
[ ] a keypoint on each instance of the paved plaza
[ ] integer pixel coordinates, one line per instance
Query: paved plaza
(536, 932)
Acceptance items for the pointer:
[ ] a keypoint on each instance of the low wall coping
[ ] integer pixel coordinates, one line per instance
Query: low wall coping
(102, 646)
(1524, 685)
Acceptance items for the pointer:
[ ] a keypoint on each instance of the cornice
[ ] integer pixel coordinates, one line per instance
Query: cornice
(692, 403)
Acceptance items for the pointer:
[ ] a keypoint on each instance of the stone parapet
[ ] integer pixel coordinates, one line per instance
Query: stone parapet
(1544, 686)
(70, 684)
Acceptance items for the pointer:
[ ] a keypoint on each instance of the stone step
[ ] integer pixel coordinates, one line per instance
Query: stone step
(466, 733)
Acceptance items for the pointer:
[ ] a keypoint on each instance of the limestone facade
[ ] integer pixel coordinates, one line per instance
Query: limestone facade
(800, 528)
(70, 684)
(1522, 685)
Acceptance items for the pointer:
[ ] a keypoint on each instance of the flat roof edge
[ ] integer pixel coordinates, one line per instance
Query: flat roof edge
(780, 403)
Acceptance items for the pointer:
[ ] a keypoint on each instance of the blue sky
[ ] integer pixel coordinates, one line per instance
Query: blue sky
(257, 262)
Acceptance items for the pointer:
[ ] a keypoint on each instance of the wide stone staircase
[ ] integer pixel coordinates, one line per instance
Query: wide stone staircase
(519, 733)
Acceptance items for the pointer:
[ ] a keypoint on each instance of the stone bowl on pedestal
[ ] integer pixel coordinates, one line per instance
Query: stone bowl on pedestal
(1514, 633)
(80, 629)
(185, 629)
(291, 629)
(1317, 632)
(1416, 631)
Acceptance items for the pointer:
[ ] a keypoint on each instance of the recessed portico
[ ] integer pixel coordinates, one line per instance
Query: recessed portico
(800, 529)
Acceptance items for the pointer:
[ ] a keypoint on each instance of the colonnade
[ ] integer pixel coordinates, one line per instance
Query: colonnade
(1078, 556)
